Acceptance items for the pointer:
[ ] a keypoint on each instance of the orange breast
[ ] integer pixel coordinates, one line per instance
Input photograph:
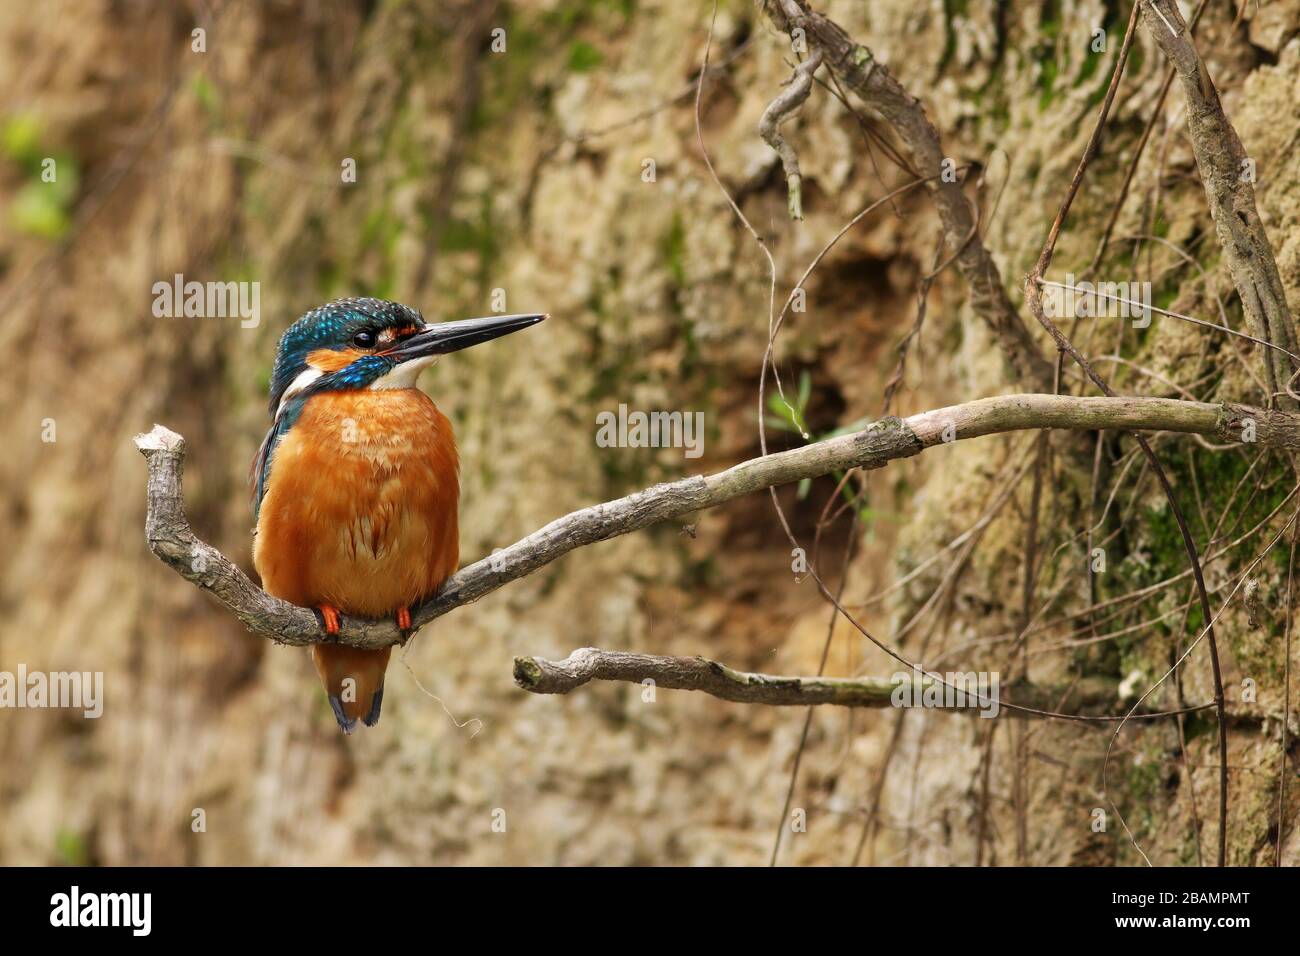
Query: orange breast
(360, 507)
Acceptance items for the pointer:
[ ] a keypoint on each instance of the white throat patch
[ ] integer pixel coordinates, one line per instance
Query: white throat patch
(402, 376)
(305, 378)
(405, 374)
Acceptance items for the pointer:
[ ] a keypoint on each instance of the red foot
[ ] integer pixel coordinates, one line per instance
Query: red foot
(403, 618)
(331, 617)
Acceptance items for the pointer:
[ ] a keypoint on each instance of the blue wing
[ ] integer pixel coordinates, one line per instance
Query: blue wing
(261, 470)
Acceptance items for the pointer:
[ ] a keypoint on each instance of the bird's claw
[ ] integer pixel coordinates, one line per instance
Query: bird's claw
(329, 621)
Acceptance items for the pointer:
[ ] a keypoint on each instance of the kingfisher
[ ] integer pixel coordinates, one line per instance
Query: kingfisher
(357, 484)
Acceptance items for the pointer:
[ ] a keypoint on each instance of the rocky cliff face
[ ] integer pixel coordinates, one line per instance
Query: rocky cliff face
(563, 173)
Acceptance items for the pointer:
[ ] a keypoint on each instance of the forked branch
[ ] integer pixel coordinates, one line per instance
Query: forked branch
(174, 542)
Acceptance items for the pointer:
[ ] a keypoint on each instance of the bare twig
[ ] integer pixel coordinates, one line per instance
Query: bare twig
(1283, 769)
(786, 105)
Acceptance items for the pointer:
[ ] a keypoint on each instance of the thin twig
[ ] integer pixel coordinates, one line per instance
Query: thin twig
(787, 105)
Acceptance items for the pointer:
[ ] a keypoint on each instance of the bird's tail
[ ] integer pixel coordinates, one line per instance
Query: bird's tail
(354, 681)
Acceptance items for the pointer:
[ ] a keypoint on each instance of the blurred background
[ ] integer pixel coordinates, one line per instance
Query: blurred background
(525, 170)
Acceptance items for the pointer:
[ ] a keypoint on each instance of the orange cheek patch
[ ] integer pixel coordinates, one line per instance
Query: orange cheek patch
(332, 360)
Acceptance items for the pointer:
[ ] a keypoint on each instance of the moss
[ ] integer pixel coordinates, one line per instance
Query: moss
(1136, 57)
(380, 231)
(1046, 82)
(673, 252)
(1145, 789)
(1103, 84)
(1089, 67)
(1144, 778)
(994, 105)
(538, 47)
(479, 234)
(512, 74)
(672, 248)
(1049, 18)
(574, 13)
(206, 93)
(583, 57)
(1114, 27)
(952, 10)
(329, 279)
(1166, 294)
(1157, 553)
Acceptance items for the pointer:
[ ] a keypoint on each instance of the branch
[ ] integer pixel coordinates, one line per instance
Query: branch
(859, 70)
(172, 540)
(1089, 697)
(786, 105)
(1222, 162)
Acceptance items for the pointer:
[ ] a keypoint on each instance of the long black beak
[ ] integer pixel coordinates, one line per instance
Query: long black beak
(453, 336)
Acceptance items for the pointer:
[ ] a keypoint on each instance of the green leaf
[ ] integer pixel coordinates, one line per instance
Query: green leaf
(38, 211)
(206, 94)
(20, 139)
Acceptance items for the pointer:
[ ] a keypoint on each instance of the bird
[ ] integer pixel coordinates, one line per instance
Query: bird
(356, 486)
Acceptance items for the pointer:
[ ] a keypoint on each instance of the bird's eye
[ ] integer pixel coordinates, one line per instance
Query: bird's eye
(365, 339)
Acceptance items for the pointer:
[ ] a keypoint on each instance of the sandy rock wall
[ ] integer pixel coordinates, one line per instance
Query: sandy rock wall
(526, 171)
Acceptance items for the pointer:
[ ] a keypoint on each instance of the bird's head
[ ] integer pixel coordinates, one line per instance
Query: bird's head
(353, 344)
